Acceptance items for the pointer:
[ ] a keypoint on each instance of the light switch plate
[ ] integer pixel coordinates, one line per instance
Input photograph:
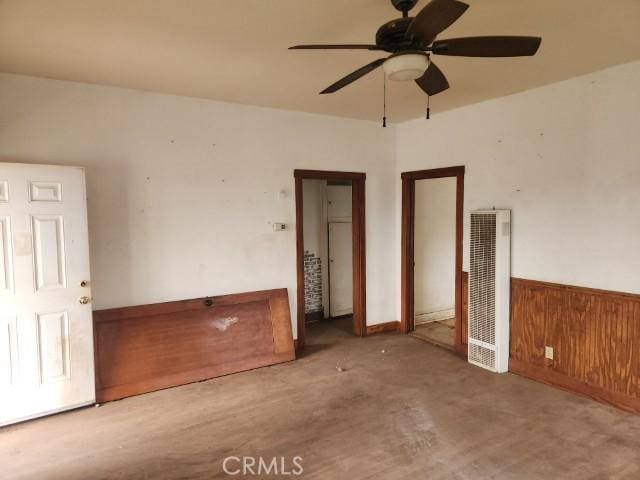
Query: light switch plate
(548, 353)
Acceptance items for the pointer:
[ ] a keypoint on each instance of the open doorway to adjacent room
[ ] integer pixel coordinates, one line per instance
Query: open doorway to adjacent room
(432, 287)
(434, 256)
(330, 252)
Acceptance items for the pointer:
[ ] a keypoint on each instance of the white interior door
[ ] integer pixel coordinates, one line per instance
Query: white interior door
(340, 269)
(46, 331)
(339, 203)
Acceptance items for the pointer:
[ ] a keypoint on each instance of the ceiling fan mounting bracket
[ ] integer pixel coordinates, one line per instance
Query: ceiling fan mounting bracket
(392, 35)
(404, 5)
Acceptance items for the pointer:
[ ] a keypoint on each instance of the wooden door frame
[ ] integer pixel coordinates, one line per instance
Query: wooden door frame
(408, 234)
(359, 243)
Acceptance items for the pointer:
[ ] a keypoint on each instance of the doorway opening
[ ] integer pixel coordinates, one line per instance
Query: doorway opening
(432, 282)
(330, 251)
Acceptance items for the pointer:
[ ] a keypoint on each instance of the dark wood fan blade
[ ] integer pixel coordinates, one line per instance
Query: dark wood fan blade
(500, 46)
(352, 77)
(433, 81)
(435, 17)
(336, 47)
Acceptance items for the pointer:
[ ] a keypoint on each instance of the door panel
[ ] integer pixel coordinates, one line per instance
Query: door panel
(339, 199)
(8, 360)
(6, 270)
(45, 192)
(4, 191)
(47, 365)
(48, 250)
(340, 269)
(53, 346)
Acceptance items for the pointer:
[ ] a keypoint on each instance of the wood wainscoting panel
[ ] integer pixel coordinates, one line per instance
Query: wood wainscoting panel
(150, 347)
(595, 335)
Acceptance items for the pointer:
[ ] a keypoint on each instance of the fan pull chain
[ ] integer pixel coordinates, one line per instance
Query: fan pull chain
(428, 109)
(384, 103)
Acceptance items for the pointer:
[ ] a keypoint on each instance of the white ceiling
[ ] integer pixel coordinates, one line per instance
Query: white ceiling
(236, 50)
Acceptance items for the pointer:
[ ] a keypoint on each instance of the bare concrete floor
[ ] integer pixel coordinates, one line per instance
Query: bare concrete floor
(413, 412)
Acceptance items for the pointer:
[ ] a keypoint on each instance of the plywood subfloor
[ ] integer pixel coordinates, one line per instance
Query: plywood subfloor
(414, 411)
(439, 333)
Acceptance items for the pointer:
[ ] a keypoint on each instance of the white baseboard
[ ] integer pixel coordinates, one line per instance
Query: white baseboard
(428, 317)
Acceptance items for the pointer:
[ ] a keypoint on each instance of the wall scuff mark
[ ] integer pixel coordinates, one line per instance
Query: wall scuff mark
(223, 324)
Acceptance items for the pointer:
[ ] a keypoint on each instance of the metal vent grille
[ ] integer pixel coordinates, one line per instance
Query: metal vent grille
(481, 355)
(482, 287)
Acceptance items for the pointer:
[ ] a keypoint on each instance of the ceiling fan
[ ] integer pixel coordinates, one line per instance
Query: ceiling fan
(412, 40)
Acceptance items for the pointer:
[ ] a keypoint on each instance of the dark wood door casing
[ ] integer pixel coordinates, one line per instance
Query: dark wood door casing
(359, 245)
(408, 241)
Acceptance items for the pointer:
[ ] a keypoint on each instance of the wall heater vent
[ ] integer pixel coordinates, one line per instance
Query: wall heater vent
(489, 289)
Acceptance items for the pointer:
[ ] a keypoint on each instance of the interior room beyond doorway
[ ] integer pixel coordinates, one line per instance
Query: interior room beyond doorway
(330, 240)
(328, 255)
(434, 260)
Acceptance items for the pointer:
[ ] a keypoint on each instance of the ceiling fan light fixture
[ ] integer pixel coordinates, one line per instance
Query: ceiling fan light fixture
(404, 67)
(412, 40)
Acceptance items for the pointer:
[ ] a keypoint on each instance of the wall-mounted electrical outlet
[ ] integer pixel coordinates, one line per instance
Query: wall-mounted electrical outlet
(548, 353)
(278, 227)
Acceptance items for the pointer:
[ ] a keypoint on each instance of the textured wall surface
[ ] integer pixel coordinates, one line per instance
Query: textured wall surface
(564, 159)
(182, 192)
(312, 283)
(435, 246)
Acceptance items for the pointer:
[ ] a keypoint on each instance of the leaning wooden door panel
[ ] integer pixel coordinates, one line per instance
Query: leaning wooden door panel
(145, 348)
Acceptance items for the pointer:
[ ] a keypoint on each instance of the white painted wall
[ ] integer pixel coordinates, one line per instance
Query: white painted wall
(435, 247)
(565, 158)
(182, 192)
(314, 216)
(314, 205)
(340, 289)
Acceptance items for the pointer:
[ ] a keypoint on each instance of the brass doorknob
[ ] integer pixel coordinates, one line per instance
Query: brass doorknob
(84, 300)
